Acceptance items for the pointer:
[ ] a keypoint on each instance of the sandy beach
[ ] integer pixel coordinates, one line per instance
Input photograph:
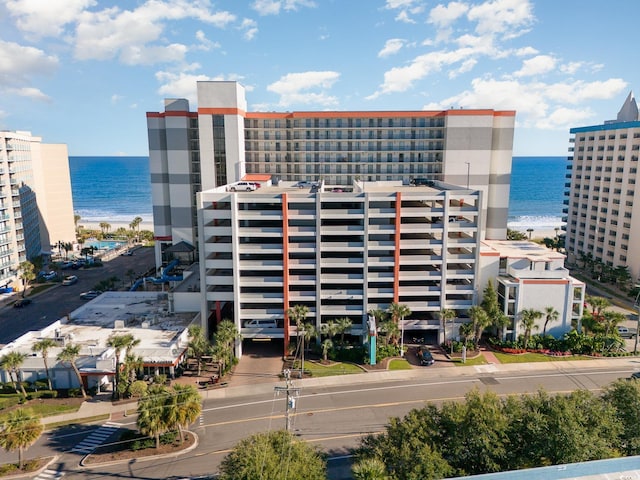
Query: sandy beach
(114, 225)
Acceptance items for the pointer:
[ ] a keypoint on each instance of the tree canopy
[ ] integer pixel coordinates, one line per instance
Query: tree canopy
(488, 434)
(275, 455)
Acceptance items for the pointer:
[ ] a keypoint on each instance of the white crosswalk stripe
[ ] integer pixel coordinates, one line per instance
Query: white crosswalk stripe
(49, 475)
(96, 438)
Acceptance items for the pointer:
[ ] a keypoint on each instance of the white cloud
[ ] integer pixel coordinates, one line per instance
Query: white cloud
(43, 18)
(204, 43)
(18, 64)
(443, 16)
(18, 61)
(482, 30)
(407, 9)
(509, 17)
(180, 85)
(538, 65)
(112, 32)
(29, 92)
(250, 28)
(273, 7)
(115, 98)
(391, 46)
(306, 88)
(537, 104)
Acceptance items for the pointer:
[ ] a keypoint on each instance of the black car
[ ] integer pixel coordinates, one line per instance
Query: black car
(23, 302)
(424, 356)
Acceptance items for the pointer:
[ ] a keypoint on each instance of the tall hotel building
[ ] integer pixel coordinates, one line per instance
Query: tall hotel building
(603, 204)
(36, 208)
(363, 238)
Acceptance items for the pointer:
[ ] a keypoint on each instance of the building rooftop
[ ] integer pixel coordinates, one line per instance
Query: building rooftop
(144, 315)
(520, 249)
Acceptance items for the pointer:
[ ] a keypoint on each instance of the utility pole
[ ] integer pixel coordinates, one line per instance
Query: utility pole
(292, 393)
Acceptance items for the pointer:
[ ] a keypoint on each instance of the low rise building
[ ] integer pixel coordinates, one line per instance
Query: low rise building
(146, 316)
(527, 275)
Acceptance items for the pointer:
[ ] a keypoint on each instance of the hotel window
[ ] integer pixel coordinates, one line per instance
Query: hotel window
(601, 137)
(612, 137)
(624, 247)
(626, 225)
(623, 258)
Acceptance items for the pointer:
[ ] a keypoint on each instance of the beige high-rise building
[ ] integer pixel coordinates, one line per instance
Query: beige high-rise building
(36, 208)
(603, 201)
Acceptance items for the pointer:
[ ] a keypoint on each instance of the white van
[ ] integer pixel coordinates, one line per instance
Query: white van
(261, 324)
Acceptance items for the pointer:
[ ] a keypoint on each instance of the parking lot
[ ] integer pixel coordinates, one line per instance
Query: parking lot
(58, 301)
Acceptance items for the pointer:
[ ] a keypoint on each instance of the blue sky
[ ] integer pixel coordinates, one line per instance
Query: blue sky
(84, 72)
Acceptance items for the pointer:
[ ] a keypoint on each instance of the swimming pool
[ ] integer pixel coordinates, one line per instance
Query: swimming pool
(104, 244)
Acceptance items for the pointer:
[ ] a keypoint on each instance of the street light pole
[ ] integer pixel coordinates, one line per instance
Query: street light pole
(637, 307)
(402, 336)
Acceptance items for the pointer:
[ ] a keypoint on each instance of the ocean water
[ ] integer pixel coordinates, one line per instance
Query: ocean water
(111, 189)
(118, 189)
(537, 192)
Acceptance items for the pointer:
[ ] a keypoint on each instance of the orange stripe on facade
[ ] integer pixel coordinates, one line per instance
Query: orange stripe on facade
(545, 282)
(172, 114)
(379, 114)
(489, 254)
(221, 111)
(285, 268)
(396, 259)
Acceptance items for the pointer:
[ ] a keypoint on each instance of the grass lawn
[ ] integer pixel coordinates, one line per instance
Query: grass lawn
(319, 370)
(399, 364)
(535, 357)
(479, 360)
(46, 407)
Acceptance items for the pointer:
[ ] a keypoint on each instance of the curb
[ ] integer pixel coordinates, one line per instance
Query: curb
(35, 473)
(195, 445)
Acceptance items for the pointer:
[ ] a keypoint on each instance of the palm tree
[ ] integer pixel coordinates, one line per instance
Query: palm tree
(11, 363)
(119, 343)
(20, 429)
(344, 325)
(135, 226)
(398, 312)
(326, 346)
(153, 412)
(480, 320)
(330, 329)
(184, 408)
(446, 314)
(76, 220)
(528, 318)
(198, 345)
(70, 354)
(43, 345)
(298, 313)
(27, 275)
(224, 339)
(550, 315)
(611, 321)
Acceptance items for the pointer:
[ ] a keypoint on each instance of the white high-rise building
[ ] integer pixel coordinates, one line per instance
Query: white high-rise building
(36, 208)
(603, 201)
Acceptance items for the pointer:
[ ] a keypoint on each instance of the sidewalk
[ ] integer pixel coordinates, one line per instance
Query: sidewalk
(95, 408)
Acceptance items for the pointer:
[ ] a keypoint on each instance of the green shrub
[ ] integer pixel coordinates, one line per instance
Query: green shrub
(42, 394)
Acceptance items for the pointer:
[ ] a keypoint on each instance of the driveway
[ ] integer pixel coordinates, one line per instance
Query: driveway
(261, 362)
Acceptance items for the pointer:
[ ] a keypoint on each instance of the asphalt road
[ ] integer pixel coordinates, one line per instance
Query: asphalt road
(58, 301)
(334, 418)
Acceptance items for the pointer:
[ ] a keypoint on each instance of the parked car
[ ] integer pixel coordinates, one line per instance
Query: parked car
(48, 275)
(635, 376)
(126, 253)
(90, 295)
(242, 186)
(23, 302)
(65, 265)
(261, 324)
(424, 356)
(70, 280)
(626, 332)
(305, 184)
